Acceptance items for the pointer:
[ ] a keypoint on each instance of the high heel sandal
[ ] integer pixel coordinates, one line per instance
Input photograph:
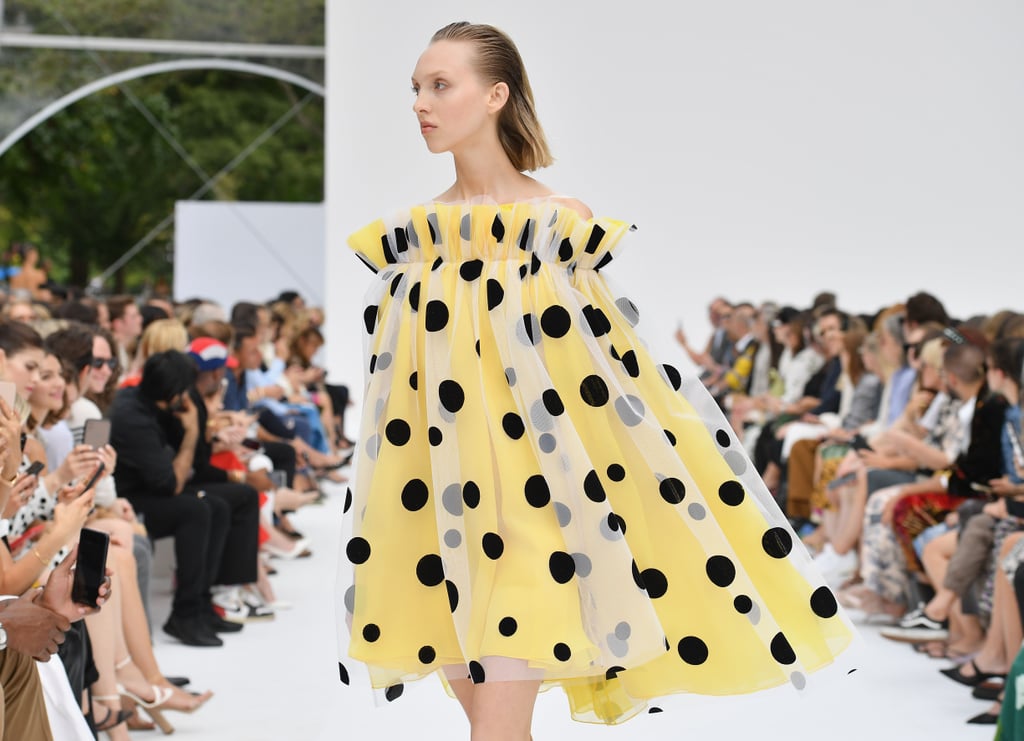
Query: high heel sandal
(113, 718)
(152, 708)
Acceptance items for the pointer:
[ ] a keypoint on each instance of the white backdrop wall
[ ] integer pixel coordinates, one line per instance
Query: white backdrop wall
(765, 150)
(229, 251)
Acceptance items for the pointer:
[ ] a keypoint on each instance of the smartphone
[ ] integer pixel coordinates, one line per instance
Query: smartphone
(94, 478)
(35, 468)
(252, 444)
(1018, 449)
(90, 568)
(8, 392)
(96, 433)
(859, 443)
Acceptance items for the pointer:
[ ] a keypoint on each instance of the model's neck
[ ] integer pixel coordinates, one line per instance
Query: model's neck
(486, 171)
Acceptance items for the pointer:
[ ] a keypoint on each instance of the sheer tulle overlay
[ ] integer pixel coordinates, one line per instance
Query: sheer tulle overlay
(536, 497)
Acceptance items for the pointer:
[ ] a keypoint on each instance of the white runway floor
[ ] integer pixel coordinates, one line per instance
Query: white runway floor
(278, 681)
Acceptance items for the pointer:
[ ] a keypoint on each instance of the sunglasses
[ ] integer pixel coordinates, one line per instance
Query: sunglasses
(98, 363)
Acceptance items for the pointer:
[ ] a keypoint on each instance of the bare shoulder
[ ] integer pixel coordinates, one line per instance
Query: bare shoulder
(576, 205)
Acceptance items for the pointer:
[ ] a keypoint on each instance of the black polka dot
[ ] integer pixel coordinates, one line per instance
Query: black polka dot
(471, 494)
(497, 228)
(476, 672)
(723, 438)
(693, 650)
(562, 652)
(613, 672)
(471, 269)
(654, 709)
(614, 353)
(373, 363)
(397, 432)
(453, 594)
(427, 654)
(371, 633)
(674, 378)
(670, 436)
(596, 320)
(414, 296)
(414, 381)
(435, 436)
(782, 652)
(777, 542)
(616, 524)
(477, 348)
(495, 294)
(348, 501)
(562, 566)
(630, 363)
(508, 626)
(370, 318)
(565, 250)
(553, 402)
(430, 570)
(535, 264)
(513, 425)
(555, 321)
(452, 396)
(415, 495)
(743, 604)
(537, 492)
(672, 490)
(655, 581)
(343, 674)
(721, 571)
(594, 391)
(493, 546)
(358, 550)
(436, 316)
(592, 487)
(731, 492)
(527, 329)
(395, 283)
(823, 603)
(393, 692)
(616, 472)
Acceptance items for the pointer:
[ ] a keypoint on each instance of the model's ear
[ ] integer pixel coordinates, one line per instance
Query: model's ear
(498, 97)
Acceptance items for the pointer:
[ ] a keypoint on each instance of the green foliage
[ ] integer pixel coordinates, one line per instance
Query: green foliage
(94, 179)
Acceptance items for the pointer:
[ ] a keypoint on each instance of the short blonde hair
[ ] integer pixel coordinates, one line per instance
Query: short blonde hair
(162, 335)
(497, 60)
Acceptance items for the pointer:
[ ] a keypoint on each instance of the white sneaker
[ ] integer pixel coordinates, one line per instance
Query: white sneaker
(258, 608)
(837, 569)
(228, 604)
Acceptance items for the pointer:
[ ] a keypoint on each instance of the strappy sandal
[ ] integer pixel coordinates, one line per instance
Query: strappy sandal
(152, 708)
(113, 718)
(955, 673)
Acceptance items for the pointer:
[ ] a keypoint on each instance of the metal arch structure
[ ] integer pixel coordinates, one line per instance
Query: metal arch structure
(149, 70)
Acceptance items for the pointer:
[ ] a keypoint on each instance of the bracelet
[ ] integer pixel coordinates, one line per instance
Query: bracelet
(10, 481)
(43, 561)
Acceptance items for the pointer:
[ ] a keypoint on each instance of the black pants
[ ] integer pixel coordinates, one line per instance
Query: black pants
(198, 541)
(282, 455)
(233, 559)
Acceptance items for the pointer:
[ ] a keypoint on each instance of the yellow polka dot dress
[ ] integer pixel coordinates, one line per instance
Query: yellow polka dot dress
(535, 497)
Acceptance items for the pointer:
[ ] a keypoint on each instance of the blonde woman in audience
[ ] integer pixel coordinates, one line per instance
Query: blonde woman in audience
(159, 336)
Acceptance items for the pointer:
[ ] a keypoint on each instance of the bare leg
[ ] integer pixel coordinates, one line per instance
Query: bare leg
(850, 518)
(503, 711)
(103, 627)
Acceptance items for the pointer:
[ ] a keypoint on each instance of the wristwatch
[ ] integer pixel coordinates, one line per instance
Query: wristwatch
(3, 638)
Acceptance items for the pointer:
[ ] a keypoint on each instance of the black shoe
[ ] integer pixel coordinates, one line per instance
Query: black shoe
(984, 719)
(191, 630)
(217, 624)
(178, 681)
(987, 691)
(972, 680)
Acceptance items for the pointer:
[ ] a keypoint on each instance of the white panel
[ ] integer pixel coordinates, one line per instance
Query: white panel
(232, 252)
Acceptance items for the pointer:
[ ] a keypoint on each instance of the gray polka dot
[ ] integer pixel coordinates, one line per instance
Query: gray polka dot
(383, 361)
(540, 417)
(696, 511)
(608, 533)
(583, 564)
(451, 499)
(546, 442)
(623, 631)
(630, 410)
(754, 615)
(432, 220)
(452, 538)
(378, 410)
(411, 235)
(736, 460)
(465, 228)
(629, 311)
(510, 376)
(798, 679)
(447, 416)
(565, 463)
(386, 275)
(373, 447)
(350, 599)
(554, 218)
(619, 648)
(563, 513)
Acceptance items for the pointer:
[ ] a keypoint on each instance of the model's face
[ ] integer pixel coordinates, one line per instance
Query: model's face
(452, 103)
(49, 391)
